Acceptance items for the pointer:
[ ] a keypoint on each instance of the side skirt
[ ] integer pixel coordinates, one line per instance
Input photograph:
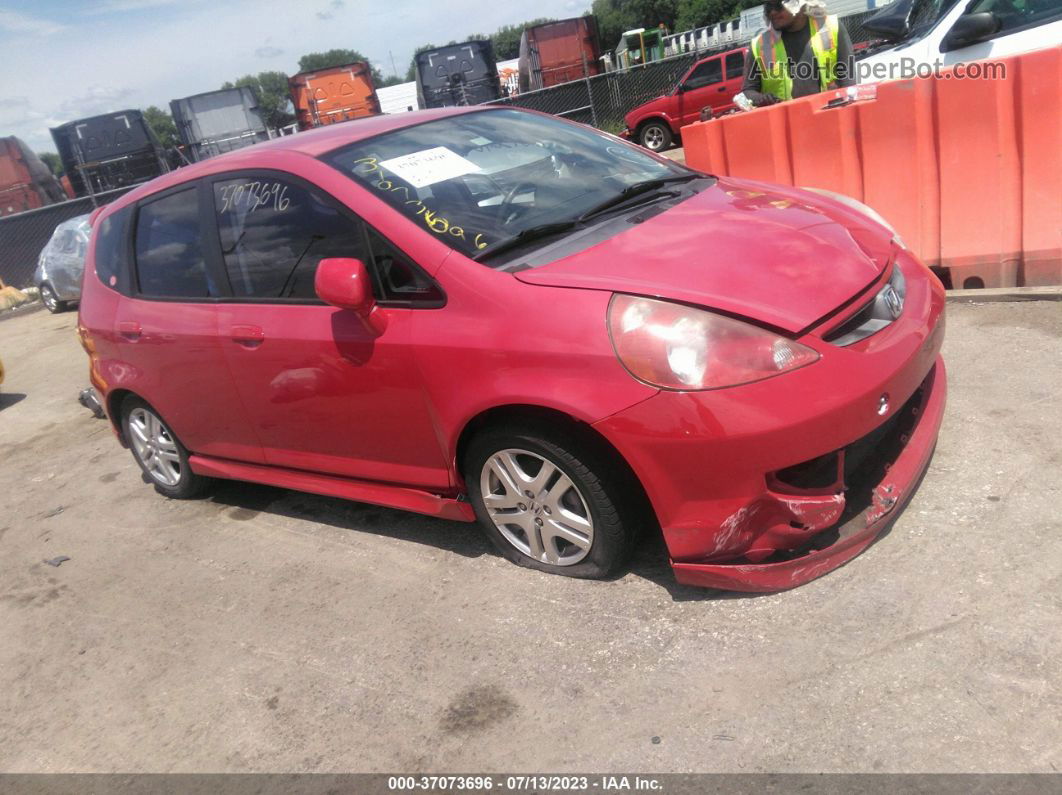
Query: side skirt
(400, 497)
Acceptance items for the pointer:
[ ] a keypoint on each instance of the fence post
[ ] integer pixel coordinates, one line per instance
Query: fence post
(85, 179)
(589, 90)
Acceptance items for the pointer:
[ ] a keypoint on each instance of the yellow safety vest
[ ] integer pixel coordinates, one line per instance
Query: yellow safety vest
(769, 52)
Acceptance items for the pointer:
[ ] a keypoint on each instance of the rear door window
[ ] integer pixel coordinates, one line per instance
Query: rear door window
(169, 248)
(273, 232)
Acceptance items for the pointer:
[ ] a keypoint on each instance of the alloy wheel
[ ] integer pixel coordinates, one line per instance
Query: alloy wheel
(653, 138)
(155, 447)
(49, 299)
(536, 507)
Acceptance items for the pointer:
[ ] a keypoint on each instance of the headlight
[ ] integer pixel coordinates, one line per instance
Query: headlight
(869, 212)
(677, 347)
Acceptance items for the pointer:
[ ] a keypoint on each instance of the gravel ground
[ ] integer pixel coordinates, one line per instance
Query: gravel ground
(267, 630)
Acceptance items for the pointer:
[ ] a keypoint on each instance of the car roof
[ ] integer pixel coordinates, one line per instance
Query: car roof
(722, 54)
(324, 139)
(314, 143)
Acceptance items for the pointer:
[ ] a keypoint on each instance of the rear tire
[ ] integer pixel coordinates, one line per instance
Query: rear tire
(548, 502)
(655, 136)
(51, 300)
(159, 453)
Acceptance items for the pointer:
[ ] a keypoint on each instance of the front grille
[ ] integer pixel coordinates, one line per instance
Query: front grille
(877, 313)
(854, 323)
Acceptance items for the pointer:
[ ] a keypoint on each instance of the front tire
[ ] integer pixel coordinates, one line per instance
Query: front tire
(655, 136)
(51, 300)
(158, 452)
(548, 503)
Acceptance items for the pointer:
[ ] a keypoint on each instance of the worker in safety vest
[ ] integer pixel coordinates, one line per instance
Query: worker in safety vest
(803, 51)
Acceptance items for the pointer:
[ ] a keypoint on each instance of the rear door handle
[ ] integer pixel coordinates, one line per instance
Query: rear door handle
(129, 329)
(248, 336)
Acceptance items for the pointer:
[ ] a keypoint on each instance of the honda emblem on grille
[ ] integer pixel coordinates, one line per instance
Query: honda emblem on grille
(883, 404)
(893, 301)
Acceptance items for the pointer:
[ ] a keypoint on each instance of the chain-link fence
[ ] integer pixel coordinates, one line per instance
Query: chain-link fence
(604, 100)
(857, 32)
(22, 236)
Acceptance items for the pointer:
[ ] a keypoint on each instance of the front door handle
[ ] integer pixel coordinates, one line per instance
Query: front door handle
(130, 329)
(248, 336)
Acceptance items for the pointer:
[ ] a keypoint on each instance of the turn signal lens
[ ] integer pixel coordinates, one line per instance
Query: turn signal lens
(677, 347)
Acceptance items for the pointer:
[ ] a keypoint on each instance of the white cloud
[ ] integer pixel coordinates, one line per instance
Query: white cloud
(15, 22)
(334, 6)
(94, 101)
(137, 60)
(124, 6)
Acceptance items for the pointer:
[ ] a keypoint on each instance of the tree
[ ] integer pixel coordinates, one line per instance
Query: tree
(698, 13)
(506, 39)
(616, 16)
(313, 61)
(273, 98)
(161, 123)
(51, 159)
(411, 72)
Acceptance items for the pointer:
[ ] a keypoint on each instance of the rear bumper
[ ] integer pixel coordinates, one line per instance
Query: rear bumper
(851, 536)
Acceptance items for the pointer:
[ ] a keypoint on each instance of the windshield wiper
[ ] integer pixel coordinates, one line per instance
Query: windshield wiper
(522, 237)
(634, 190)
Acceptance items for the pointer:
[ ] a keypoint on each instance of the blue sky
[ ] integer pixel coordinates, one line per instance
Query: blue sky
(61, 60)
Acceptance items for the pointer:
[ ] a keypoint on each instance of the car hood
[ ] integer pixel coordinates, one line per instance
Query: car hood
(660, 103)
(781, 256)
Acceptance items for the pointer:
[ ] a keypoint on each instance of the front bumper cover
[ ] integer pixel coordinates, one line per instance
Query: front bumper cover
(846, 539)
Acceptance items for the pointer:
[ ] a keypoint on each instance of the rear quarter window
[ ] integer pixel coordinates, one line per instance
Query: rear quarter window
(112, 250)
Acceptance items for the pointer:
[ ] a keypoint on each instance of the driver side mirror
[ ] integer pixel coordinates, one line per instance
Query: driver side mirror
(345, 283)
(968, 29)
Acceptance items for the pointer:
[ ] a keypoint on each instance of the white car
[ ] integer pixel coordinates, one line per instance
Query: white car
(925, 35)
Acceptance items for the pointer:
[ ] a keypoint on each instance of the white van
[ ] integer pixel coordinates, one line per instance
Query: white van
(925, 35)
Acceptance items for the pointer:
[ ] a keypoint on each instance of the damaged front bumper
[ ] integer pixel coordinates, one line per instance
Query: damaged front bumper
(767, 485)
(838, 525)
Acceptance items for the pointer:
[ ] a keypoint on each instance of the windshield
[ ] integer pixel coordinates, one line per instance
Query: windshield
(482, 178)
(926, 13)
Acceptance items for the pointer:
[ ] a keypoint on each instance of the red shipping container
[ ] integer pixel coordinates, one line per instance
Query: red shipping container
(559, 52)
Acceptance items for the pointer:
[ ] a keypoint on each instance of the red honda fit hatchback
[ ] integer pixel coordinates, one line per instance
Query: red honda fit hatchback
(494, 314)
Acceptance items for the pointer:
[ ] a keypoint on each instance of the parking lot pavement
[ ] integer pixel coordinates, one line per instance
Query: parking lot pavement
(266, 630)
(677, 153)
